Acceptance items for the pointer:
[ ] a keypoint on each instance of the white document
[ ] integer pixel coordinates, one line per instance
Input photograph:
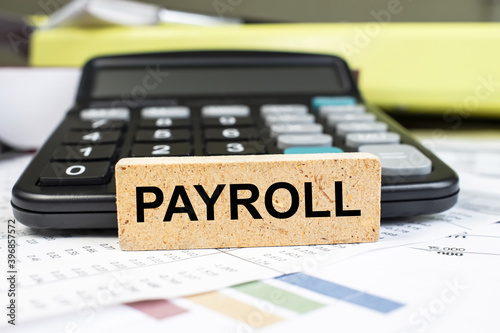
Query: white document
(67, 271)
(446, 285)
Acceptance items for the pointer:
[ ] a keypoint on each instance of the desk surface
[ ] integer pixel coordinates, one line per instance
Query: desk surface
(416, 278)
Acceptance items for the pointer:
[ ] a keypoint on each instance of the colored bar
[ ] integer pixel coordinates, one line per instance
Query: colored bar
(340, 292)
(235, 309)
(319, 101)
(278, 296)
(158, 309)
(312, 150)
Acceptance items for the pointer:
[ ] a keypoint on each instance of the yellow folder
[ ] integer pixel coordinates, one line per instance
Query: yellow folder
(446, 68)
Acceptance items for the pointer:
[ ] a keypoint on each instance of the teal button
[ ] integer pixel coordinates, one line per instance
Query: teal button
(319, 101)
(312, 150)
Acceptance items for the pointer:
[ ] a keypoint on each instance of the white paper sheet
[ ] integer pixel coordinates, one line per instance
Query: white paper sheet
(61, 271)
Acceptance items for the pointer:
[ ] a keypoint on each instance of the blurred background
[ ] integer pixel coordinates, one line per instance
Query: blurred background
(425, 75)
(265, 11)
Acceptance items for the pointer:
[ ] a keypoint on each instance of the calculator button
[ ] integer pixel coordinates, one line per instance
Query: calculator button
(235, 148)
(162, 135)
(96, 137)
(312, 140)
(354, 140)
(283, 109)
(228, 121)
(312, 150)
(230, 133)
(164, 123)
(171, 149)
(333, 119)
(84, 153)
(213, 111)
(105, 113)
(326, 111)
(319, 101)
(343, 129)
(100, 124)
(400, 159)
(289, 119)
(297, 129)
(177, 112)
(88, 173)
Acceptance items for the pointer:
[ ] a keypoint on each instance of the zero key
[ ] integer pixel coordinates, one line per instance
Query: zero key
(88, 173)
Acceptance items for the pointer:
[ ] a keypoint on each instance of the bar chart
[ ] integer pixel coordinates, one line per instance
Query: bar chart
(260, 304)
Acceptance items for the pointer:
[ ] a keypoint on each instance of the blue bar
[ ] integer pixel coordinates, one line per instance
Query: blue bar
(340, 292)
(312, 150)
(319, 101)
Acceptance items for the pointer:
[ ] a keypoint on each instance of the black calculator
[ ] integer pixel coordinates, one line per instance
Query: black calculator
(217, 103)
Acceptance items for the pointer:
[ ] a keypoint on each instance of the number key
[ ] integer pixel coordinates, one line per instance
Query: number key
(230, 133)
(88, 173)
(232, 148)
(228, 121)
(100, 124)
(162, 135)
(164, 123)
(172, 149)
(84, 153)
(95, 137)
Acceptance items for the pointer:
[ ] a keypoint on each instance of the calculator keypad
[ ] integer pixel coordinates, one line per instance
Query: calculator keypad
(334, 124)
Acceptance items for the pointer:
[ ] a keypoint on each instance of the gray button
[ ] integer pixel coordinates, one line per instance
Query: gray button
(279, 129)
(213, 111)
(333, 119)
(283, 109)
(344, 128)
(354, 140)
(174, 112)
(313, 140)
(105, 113)
(289, 119)
(400, 159)
(327, 110)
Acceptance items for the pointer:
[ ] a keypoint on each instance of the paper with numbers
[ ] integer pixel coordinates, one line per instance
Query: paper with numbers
(74, 271)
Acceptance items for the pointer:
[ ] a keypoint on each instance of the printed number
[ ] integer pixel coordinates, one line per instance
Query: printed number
(231, 133)
(100, 123)
(94, 136)
(235, 147)
(86, 151)
(163, 122)
(227, 120)
(75, 170)
(162, 134)
(161, 150)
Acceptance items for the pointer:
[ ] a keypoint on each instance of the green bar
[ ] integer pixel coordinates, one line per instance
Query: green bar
(278, 296)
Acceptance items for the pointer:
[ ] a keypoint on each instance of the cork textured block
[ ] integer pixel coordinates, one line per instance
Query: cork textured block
(246, 201)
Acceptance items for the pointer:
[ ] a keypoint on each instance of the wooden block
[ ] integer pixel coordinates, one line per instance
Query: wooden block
(245, 201)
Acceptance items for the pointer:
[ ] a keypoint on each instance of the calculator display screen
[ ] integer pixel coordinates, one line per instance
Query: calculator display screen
(208, 81)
